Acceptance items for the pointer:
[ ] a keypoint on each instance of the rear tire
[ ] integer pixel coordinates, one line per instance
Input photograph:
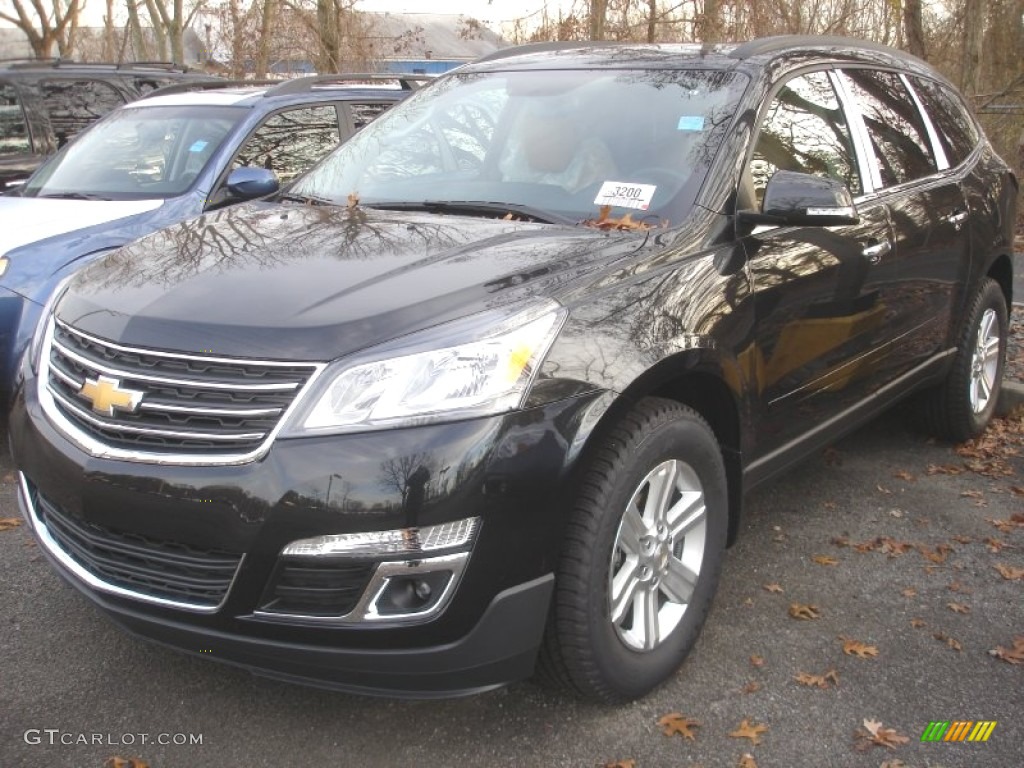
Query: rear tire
(642, 555)
(962, 405)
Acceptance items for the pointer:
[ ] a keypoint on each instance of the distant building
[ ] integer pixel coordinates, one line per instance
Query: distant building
(431, 43)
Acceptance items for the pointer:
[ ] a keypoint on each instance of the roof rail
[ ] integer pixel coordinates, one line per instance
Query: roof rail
(555, 45)
(303, 84)
(188, 86)
(778, 43)
(57, 63)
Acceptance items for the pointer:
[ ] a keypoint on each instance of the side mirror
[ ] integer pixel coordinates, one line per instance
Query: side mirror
(250, 183)
(804, 200)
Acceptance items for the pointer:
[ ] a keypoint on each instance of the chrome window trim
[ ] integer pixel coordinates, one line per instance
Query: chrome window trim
(100, 450)
(941, 161)
(89, 579)
(871, 176)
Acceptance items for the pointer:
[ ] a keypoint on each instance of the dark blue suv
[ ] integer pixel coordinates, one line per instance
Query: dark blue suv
(184, 150)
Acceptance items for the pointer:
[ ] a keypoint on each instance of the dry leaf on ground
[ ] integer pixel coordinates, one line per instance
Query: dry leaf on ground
(949, 641)
(897, 763)
(875, 734)
(857, 648)
(804, 612)
(908, 592)
(6, 523)
(937, 555)
(959, 607)
(824, 560)
(1009, 573)
(819, 681)
(945, 469)
(746, 730)
(674, 722)
(756, 661)
(1014, 655)
(775, 588)
(904, 475)
(621, 764)
(747, 761)
(995, 546)
(121, 762)
(752, 687)
(918, 623)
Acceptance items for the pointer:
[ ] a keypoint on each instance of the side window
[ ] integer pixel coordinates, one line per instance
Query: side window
(289, 143)
(957, 131)
(898, 136)
(805, 130)
(13, 131)
(74, 105)
(363, 114)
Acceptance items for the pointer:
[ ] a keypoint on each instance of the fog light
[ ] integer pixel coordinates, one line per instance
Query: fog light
(411, 594)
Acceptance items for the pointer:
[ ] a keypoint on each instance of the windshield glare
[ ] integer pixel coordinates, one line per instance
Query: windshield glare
(561, 144)
(137, 153)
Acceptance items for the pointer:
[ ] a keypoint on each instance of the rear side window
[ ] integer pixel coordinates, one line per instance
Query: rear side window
(74, 105)
(13, 131)
(362, 114)
(805, 130)
(899, 139)
(957, 130)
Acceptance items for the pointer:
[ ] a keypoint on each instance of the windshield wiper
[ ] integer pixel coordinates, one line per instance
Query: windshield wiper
(476, 207)
(304, 199)
(74, 196)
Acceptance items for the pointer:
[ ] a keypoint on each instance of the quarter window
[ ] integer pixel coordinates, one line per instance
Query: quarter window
(362, 114)
(13, 131)
(805, 130)
(289, 143)
(957, 130)
(899, 139)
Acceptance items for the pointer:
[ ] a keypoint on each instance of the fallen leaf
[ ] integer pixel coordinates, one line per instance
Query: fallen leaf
(353, 200)
(756, 661)
(883, 489)
(909, 592)
(824, 560)
(1009, 573)
(747, 761)
(995, 545)
(857, 648)
(893, 547)
(959, 607)
(893, 764)
(752, 687)
(621, 764)
(973, 494)
(773, 587)
(674, 722)
(956, 586)
(874, 734)
(1014, 655)
(1017, 490)
(841, 541)
(7, 523)
(896, 512)
(749, 602)
(120, 762)
(829, 505)
(804, 612)
(937, 555)
(946, 469)
(918, 623)
(748, 731)
(904, 475)
(819, 681)
(1006, 526)
(605, 221)
(961, 539)
(949, 641)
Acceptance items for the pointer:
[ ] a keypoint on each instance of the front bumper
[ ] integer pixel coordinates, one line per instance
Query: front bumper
(508, 471)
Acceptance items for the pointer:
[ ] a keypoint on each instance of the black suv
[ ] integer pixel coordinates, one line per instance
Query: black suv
(44, 103)
(494, 378)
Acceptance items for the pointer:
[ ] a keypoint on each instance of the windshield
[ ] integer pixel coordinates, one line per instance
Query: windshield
(564, 145)
(137, 153)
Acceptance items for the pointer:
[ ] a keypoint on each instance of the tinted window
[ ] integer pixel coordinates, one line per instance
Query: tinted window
(13, 131)
(957, 131)
(898, 136)
(73, 105)
(805, 130)
(362, 114)
(289, 143)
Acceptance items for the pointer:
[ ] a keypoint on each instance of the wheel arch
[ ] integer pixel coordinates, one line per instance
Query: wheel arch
(1001, 270)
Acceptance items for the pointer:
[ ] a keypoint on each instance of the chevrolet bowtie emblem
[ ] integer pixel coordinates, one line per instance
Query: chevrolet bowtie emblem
(106, 394)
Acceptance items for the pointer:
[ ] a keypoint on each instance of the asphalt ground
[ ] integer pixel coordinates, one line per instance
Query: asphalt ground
(925, 593)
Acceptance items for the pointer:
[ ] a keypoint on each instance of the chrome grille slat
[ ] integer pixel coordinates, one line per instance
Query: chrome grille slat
(193, 409)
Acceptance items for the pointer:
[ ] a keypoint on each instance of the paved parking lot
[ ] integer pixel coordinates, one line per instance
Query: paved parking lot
(886, 489)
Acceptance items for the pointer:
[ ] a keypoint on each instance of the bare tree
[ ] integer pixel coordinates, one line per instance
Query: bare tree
(46, 28)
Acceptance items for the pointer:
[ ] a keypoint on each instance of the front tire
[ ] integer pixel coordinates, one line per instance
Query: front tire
(642, 555)
(961, 407)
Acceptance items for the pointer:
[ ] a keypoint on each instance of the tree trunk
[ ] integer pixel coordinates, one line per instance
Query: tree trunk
(267, 23)
(652, 17)
(974, 23)
(709, 22)
(598, 15)
(913, 28)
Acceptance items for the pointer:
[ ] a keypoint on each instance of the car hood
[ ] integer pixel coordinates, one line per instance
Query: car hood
(302, 282)
(25, 220)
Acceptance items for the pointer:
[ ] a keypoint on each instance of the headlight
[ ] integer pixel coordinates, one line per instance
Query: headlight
(36, 344)
(490, 372)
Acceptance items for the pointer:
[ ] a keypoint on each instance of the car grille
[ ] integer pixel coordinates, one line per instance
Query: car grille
(148, 568)
(186, 404)
(321, 589)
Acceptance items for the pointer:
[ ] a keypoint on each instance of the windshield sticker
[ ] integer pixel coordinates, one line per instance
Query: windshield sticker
(691, 123)
(199, 146)
(625, 195)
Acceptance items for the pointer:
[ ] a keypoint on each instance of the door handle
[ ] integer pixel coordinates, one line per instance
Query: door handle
(875, 252)
(957, 218)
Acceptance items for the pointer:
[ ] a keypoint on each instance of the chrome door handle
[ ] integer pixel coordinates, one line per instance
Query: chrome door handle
(874, 253)
(957, 219)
